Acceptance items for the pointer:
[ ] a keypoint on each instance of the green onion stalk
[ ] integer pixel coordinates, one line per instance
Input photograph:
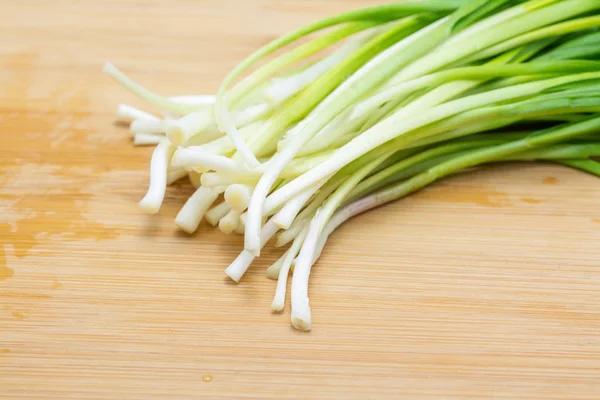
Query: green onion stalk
(366, 107)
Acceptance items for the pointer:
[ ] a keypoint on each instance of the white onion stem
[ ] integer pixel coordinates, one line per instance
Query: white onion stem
(179, 131)
(238, 196)
(262, 189)
(194, 158)
(279, 299)
(240, 265)
(213, 215)
(147, 126)
(301, 315)
(189, 217)
(229, 222)
(159, 164)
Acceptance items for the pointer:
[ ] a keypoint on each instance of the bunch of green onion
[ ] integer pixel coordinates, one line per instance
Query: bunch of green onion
(372, 105)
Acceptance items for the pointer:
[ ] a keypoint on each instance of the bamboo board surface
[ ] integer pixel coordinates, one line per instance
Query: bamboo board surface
(484, 286)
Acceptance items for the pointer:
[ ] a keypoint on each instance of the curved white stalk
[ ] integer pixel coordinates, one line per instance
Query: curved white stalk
(229, 222)
(159, 165)
(237, 196)
(200, 127)
(342, 215)
(301, 316)
(130, 113)
(303, 219)
(189, 217)
(240, 265)
(270, 176)
(335, 221)
(146, 139)
(284, 270)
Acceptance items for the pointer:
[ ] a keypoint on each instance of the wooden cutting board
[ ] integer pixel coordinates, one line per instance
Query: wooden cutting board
(484, 286)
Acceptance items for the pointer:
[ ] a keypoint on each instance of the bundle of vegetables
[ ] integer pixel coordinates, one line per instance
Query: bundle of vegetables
(373, 105)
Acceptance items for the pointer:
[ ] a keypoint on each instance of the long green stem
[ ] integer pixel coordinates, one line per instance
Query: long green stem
(401, 126)
(589, 166)
(476, 157)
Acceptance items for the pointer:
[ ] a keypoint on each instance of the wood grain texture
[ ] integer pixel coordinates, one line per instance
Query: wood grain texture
(484, 286)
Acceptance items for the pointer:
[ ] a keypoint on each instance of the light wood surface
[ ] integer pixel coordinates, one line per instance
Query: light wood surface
(484, 286)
